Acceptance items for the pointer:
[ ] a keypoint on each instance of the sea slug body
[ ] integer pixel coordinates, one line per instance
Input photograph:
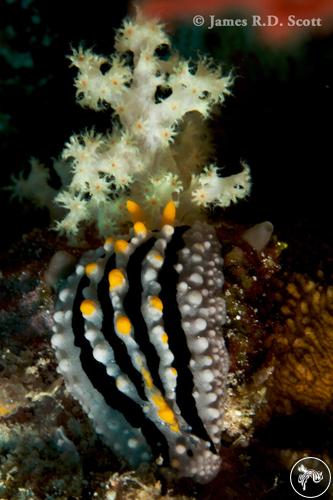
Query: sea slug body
(138, 339)
(138, 325)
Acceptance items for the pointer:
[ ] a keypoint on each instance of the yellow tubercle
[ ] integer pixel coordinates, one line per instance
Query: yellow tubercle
(120, 246)
(147, 378)
(116, 278)
(90, 268)
(109, 241)
(134, 210)
(156, 255)
(165, 412)
(164, 338)
(123, 325)
(156, 303)
(140, 229)
(88, 307)
(169, 214)
(173, 371)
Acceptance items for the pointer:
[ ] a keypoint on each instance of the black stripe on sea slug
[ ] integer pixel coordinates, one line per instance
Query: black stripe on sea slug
(168, 279)
(132, 306)
(120, 352)
(106, 385)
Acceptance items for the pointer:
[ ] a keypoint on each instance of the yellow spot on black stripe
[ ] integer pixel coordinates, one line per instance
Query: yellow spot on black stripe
(87, 307)
(140, 229)
(165, 412)
(123, 325)
(164, 338)
(116, 278)
(156, 303)
(157, 256)
(90, 268)
(147, 378)
(120, 246)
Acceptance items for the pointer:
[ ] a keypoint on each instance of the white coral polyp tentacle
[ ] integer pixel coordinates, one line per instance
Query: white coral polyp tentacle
(199, 90)
(93, 87)
(140, 34)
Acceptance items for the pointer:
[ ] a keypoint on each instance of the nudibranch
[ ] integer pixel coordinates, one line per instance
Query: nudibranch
(138, 338)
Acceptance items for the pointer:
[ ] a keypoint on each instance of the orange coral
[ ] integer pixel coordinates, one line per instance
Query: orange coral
(303, 347)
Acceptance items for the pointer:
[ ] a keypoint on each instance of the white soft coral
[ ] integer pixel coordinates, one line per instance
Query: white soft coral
(159, 146)
(34, 187)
